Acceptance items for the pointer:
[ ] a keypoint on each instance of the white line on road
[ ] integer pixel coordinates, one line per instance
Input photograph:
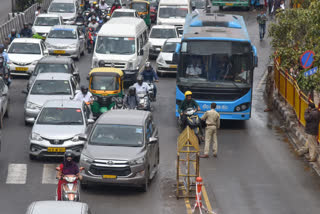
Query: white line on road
(17, 174)
(262, 80)
(49, 174)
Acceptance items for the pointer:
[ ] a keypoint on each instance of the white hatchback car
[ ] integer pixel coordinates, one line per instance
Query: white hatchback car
(158, 35)
(24, 54)
(44, 22)
(164, 60)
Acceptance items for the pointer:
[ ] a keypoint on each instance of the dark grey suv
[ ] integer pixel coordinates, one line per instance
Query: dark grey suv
(122, 149)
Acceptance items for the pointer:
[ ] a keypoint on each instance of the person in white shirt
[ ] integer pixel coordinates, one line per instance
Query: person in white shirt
(84, 95)
(103, 5)
(141, 86)
(194, 69)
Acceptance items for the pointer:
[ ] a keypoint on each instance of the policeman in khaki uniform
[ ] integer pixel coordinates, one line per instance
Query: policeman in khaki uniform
(212, 119)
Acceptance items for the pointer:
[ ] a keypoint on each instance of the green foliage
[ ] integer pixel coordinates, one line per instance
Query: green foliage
(296, 31)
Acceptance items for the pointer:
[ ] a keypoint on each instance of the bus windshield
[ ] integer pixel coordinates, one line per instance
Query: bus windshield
(222, 62)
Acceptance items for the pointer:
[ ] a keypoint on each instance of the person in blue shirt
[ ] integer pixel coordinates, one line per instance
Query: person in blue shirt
(4, 54)
(13, 35)
(149, 75)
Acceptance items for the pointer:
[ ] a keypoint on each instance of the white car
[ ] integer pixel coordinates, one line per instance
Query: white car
(158, 35)
(65, 8)
(43, 23)
(125, 13)
(164, 60)
(24, 54)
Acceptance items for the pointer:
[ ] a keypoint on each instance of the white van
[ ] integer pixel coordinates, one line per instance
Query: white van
(122, 43)
(173, 12)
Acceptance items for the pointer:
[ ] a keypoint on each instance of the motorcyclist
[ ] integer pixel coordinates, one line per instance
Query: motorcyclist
(97, 10)
(188, 102)
(116, 5)
(68, 167)
(92, 15)
(80, 18)
(141, 86)
(86, 4)
(84, 95)
(93, 24)
(4, 54)
(103, 5)
(149, 75)
(131, 100)
(13, 35)
(26, 31)
(4, 71)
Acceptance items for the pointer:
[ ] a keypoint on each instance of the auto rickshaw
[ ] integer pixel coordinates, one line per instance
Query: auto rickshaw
(143, 10)
(105, 84)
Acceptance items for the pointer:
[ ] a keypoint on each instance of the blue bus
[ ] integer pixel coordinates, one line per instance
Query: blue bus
(215, 62)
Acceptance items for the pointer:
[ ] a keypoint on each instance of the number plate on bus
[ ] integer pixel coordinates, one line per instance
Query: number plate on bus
(56, 149)
(21, 68)
(59, 51)
(110, 176)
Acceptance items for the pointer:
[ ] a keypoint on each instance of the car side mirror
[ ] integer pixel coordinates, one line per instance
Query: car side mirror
(76, 73)
(153, 140)
(81, 36)
(83, 137)
(24, 91)
(31, 120)
(46, 52)
(90, 121)
(4, 93)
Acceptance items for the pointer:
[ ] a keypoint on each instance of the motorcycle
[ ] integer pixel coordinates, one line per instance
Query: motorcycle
(70, 190)
(151, 91)
(91, 40)
(144, 102)
(193, 121)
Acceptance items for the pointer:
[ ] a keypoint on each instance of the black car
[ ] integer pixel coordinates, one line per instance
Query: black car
(55, 64)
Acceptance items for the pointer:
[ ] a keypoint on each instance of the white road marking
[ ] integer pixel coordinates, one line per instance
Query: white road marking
(17, 174)
(262, 80)
(49, 174)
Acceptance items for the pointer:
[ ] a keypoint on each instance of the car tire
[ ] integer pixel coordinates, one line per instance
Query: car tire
(26, 123)
(145, 186)
(78, 56)
(32, 157)
(160, 74)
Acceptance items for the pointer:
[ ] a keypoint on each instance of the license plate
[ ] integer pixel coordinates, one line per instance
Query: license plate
(229, 4)
(110, 176)
(173, 66)
(56, 149)
(21, 68)
(59, 52)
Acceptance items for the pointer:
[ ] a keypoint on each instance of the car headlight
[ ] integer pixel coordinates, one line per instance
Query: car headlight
(95, 62)
(49, 45)
(72, 46)
(76, 138)
(160, 60)
(36, 136)
(8, 63)
(31, 105)
(86, 159)
(130, 65)
(137, 161)
(35, 62)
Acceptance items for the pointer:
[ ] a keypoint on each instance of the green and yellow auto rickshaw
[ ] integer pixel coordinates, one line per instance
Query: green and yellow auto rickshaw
(143, 10)
(105, 84)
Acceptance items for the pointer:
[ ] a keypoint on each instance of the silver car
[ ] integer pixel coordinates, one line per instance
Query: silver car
(48, 86)
(61, 207)
(4, 101)
(66, 40)
(122, 148)
(58, 127)
(65, 8)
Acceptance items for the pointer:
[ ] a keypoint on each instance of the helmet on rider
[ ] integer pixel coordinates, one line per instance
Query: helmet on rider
(25, 25)
(84, 89)
(68, 155)
(140, 80)
(132, 91)
(13, 32)
(94, 3)
(96, 6)
(148, 64)
(188, 95)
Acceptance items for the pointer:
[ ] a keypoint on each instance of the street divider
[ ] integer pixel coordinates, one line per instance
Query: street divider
(198, 204)
(288, 88)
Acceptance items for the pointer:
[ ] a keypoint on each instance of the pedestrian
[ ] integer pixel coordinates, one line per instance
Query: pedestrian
(269, 89)
(38, 11)
(212, 119)
(270, 5)
(312, 118)
(262, 20)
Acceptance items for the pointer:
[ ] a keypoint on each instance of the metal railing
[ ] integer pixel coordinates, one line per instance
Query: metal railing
(19, 19)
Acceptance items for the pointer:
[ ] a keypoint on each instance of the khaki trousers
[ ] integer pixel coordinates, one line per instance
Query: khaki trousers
(312, 145)
(211, 135)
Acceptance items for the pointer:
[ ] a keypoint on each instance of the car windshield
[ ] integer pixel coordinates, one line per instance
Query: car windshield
(62, 7)
(169, 47)
(122, 14)
(24, 48)
(173, 12)
(106, 83)
(117, 135)
(51, 87)
(46, 21)
(60, 116)
(110, 2)
(51, 68)
(62, 34)
(139, 7)
(163, 33)
(115, 45)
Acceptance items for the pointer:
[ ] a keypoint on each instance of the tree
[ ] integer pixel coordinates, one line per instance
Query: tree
(295, 31)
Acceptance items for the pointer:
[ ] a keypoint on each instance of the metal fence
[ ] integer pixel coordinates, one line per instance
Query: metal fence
(19, 19)
(290, 91)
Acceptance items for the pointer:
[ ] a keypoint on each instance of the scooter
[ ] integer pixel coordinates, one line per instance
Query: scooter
(193, 121)
(70, 191)
(151, 91)
(144, 102)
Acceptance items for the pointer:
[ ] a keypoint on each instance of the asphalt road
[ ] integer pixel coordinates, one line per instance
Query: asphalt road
(255, 172)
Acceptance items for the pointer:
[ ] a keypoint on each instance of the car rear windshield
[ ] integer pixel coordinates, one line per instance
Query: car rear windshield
(117, 135)
(139, 7)
(169, 47)
(51, 68)
(60, 116)
(62, 34)
(62, 7)
(122, 14)
(162, 33)
(24, 48)
(51, 87)
(46, 21)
